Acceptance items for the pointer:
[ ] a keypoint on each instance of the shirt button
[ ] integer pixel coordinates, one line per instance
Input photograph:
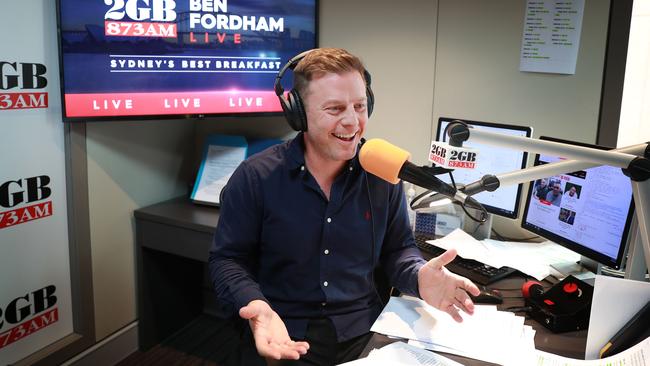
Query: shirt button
(302, 167)
(323, 303)
(326, 251)
(325, 283)
(329, 219)
(351, 168)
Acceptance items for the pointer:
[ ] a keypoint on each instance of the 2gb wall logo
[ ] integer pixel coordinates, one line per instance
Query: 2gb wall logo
(32, 193)
(147, 17)
(27, 314)
(18, 84)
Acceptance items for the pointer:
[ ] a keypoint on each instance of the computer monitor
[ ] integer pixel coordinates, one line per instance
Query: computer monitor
(491, 160)
(588, 211)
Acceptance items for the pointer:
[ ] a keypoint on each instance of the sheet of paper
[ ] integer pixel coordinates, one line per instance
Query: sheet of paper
(467, 247)
(221, 157)
(399, 354)
(638, 355)
(614, 302)
(551, 36)
(403, 353)
(526, 257)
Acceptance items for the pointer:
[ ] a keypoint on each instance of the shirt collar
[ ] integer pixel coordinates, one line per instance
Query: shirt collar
(297, 154)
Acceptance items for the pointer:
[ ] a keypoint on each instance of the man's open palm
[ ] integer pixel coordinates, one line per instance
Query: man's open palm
(271, 337)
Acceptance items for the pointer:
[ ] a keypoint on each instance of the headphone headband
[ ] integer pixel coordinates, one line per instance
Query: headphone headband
(291, 64)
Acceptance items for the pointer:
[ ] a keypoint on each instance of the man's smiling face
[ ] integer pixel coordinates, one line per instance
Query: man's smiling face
(337, 114)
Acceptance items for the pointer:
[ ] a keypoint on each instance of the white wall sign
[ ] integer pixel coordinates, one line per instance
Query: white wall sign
(35, 294)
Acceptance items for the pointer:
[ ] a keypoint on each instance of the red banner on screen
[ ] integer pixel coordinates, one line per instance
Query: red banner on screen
(129, 104)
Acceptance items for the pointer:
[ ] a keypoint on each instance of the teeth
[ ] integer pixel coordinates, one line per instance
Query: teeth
(345, 136)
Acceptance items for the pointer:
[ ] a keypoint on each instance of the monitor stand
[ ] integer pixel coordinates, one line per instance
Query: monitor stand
(478, 230)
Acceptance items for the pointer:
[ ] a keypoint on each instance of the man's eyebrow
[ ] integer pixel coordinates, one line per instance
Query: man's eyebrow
(340, 101)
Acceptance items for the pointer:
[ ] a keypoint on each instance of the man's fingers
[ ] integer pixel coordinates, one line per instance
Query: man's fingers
(453, 311)
(463, 301)
(248, 312)
(443, 259)
(288, 350)
(266, 349)
(470, 287)
(301, 347)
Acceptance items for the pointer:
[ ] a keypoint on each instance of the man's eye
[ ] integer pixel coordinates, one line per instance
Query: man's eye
(360, 107)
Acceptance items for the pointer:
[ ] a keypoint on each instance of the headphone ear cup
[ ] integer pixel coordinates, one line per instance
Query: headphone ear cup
(286, 109)
(370, 97)
(298, 119)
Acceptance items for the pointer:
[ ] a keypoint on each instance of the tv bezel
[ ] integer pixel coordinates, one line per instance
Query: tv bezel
(529, 132)
(570, 244)
(162, 117)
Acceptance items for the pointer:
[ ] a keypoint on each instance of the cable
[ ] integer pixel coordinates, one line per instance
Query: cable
(519, 309)
(484, 213)
(372, 226)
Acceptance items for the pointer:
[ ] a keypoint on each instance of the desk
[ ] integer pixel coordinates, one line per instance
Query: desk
(172, 243)
(173, 239)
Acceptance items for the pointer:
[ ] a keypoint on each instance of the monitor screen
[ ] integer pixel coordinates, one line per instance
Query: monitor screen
(588, 211)
(135, 59)
(491, 160)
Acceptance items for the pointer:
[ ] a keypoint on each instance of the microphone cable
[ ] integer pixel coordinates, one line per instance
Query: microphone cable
(482, 218)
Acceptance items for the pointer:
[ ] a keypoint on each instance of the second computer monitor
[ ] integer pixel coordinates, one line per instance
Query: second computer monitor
(491, 160)
(589, 211)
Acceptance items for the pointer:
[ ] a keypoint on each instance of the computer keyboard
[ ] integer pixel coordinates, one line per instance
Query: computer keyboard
(476, 271)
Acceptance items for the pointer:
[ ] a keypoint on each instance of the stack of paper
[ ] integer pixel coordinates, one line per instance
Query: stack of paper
(489, 335)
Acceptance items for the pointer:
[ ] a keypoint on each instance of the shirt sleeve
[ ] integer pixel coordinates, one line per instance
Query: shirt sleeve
(234, 252)
(400, 258)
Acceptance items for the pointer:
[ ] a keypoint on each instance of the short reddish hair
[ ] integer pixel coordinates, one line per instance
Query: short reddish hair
(322, 61)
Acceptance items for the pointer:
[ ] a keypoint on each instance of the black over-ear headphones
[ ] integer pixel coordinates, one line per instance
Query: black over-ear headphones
(292, 105)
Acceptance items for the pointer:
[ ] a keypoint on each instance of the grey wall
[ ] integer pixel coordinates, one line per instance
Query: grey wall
(397, 43)
(130, 165)
(460, 61)
(477, 75)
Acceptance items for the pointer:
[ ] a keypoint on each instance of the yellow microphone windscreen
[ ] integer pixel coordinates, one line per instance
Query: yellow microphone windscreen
(383, 159)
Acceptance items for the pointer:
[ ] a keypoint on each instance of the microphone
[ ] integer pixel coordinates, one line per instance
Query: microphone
(391, 164)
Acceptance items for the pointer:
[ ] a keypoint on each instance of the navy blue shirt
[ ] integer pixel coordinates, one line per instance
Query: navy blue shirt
(279, 239)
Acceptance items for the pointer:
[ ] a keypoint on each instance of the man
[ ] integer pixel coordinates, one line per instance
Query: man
(541, 189)
(302, 227)
(571, 195)
(554, 196)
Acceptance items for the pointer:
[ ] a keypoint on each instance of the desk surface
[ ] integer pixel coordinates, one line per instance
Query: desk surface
(180, 211)
(569, 344)
(182, 214)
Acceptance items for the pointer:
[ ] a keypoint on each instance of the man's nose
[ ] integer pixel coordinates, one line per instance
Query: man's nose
(350, 117)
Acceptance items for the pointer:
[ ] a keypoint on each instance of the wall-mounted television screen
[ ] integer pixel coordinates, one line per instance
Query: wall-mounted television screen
(137, 59)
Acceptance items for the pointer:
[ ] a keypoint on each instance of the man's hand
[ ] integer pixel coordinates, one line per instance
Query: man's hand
(271, 336)
(445, 290)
